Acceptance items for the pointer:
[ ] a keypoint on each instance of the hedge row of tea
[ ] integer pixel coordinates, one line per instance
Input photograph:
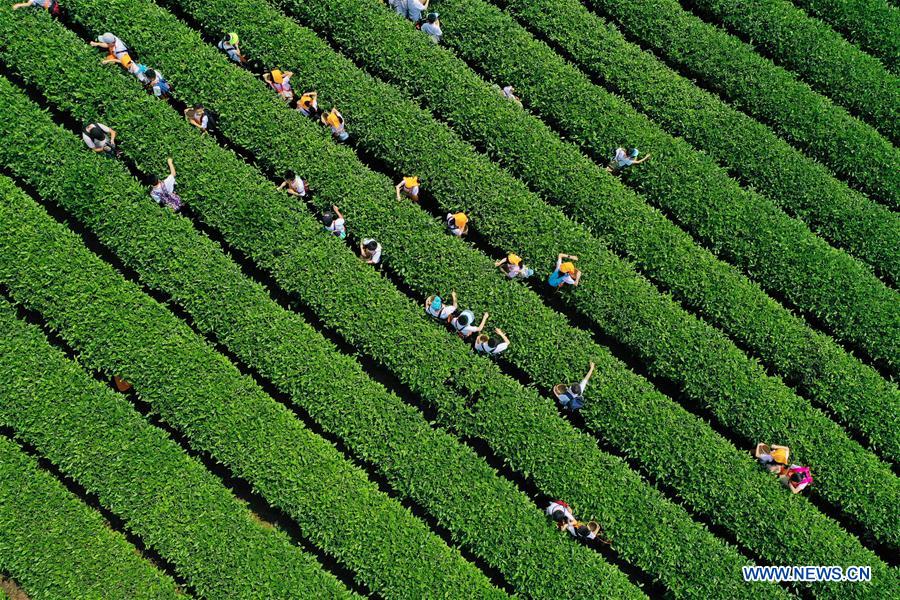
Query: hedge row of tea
(80, 557)
(170, 500)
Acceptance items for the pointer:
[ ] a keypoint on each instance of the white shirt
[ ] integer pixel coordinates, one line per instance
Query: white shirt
(443, 312)
(512, 271)
(167, 184)
(375, 257)
(486, 348)
(507, 91)
(467, 330)
(414, 10)
(432, 29)
(336, 226)
(555, 506)
(297, 185)
(622, 159)
(91, 143)
(118, 47)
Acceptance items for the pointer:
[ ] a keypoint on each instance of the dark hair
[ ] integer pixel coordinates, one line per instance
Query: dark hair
(796, 477)
(583, 530)
(154, 179)
(576, 389)
(328, 219)
(288, 175)
(150, 74)
(432, 17)
(463, 320)
(96, 132)
(200, 108)
(372, 245)
(558, 515)
(494, 341)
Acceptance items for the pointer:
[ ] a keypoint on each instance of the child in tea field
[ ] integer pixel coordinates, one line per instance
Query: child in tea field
(411, 9)
(438, 309)
(584, 531)
(230, 44)
(464, 324)
(335, 120)
(565, 273)
(560, 512)
(623, 159)
(493, 345)
(334, 222)
(199, 117)
(112, 44)
(409, 187)
(796, 478)
(308, 104)
(157, 84)
(458, 223)
(431, 27)
(281, 83)
(100, 138)
(294, 185)
(572, 396)
(513, 267)
(163, 191)
(774, 459)
(370, 251)
(51, 6)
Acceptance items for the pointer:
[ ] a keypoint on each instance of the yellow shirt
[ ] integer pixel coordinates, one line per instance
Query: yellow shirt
(334, 119)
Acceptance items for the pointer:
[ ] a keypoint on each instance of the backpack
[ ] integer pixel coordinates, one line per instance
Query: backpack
(211, 119)
(52, 7)
(164, 87)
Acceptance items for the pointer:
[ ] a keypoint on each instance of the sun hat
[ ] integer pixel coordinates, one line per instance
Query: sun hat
(514, 259)
(567, 267)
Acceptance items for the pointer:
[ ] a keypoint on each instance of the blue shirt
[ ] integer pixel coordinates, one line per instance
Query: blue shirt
(557, 278)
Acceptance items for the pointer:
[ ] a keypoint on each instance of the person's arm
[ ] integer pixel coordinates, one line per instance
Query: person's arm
(110, 59)
(324, 117)
(287, 74)
(112, 136)
(502, 335)
(337, 212)
(100, 45)
(20, 5)
(397, 189)
(577, 277)
(484, 319)
(637, 162)
(453, 295)
(499, 262)
(267, 78)
(587, 378)
(171, 167)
